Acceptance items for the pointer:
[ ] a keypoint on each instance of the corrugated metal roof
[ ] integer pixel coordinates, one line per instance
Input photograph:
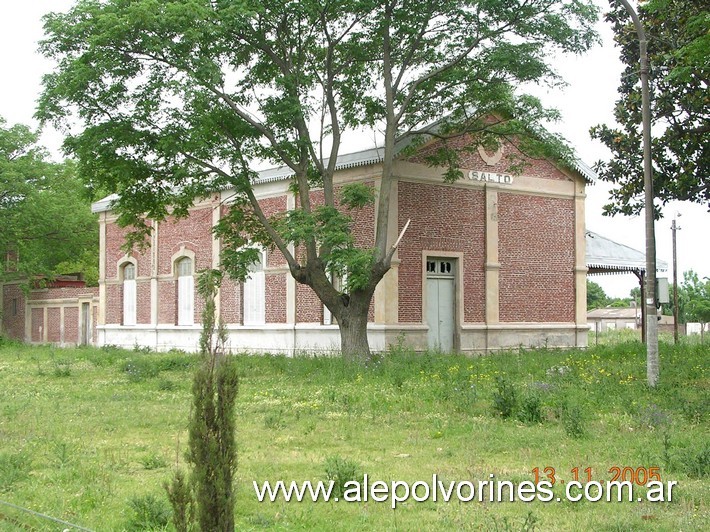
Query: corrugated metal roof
(348, 160)
(606, 254)
(613, 312)
(375, 155)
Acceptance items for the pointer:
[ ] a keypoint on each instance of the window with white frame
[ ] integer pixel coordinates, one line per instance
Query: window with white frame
(185, 292)
(255, 293)
(129, 294)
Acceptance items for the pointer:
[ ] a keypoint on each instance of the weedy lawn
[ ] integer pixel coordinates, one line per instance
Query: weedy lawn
(89, 435)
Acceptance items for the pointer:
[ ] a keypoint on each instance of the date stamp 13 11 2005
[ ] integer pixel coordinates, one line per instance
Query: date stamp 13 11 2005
(639, 475)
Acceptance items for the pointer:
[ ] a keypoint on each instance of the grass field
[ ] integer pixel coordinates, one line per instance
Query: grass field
(90, 435)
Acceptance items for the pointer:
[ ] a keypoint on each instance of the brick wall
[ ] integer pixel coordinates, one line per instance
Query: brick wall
(445, 219)
(193, 233)
(276, 297)
(71, 325)
(230, 297)
(114, 304)
(142, 301)
(54, 323)
(115, 239)
(167, 298)
(13, 323)
(37, 325)
(309, 308)
(536, 252)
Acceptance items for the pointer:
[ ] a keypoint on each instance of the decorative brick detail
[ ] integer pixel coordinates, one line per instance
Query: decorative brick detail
(65, 292)
(536, 252)
(445, 219)
(54, 323)
(471, 160)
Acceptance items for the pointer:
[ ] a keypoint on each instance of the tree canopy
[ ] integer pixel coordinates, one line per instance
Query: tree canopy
(678, 33)
(47, 225)
(180, 98)
(694, 298)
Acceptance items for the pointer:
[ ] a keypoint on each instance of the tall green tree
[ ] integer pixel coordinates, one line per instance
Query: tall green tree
(46, 220)
(678, 34)
(179, 98)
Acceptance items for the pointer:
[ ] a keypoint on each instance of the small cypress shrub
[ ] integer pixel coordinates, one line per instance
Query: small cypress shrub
(182, 500)
(212, 451)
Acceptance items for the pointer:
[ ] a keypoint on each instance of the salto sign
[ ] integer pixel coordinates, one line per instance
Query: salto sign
(487, 177)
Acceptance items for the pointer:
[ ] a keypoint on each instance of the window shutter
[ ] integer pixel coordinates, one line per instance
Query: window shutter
(255, 293)
(129, 302)
(186, 296)
(255, 299)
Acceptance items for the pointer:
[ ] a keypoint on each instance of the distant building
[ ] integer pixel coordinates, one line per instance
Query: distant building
(612, 318)
(606, 319)
(63, 312)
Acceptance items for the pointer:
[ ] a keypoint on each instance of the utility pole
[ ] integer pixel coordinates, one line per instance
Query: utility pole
(675, 228)
(652, 358)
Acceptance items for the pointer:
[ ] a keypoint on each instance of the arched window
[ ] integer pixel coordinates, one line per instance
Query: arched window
(255, 293)
(129, 294)
(186, 292)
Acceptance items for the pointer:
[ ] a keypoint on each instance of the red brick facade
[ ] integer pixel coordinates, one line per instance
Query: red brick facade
(537, 247)
(443, 219)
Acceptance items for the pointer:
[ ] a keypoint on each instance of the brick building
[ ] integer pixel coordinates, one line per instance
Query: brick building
(63, 313)
(492, 261)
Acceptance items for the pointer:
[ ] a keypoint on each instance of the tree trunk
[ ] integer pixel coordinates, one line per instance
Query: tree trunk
(353, 328)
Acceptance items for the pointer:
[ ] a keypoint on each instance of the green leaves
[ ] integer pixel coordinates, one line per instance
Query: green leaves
(694, 298)
(679, 36)
(45, 215)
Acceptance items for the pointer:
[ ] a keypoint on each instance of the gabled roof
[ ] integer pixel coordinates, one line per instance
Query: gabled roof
(607, 256)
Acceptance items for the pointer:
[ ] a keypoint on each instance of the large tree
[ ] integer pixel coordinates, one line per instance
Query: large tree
(46, 223)
(179, 98)
(678, 33)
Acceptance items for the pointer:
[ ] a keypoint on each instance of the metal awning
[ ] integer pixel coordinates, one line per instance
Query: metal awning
(607, 256)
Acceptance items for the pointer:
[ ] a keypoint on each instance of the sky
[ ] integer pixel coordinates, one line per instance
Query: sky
(588, 100)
